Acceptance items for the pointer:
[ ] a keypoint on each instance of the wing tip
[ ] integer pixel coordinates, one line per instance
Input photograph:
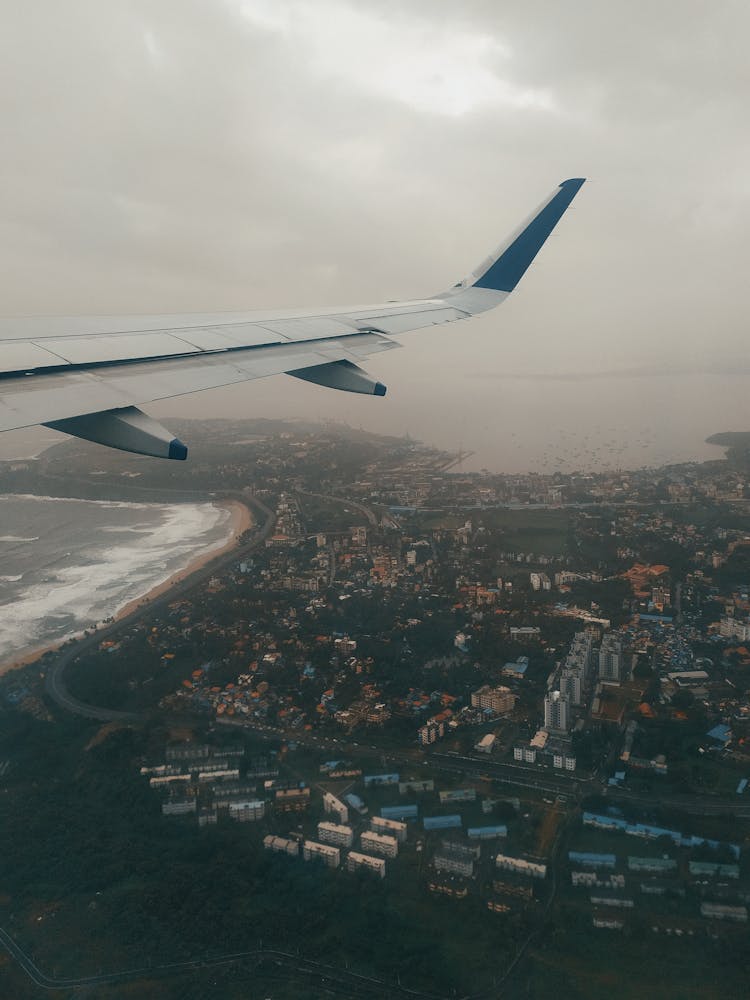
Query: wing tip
(512, 261)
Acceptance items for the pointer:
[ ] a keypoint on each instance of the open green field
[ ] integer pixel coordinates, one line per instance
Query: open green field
(544, 532)
(585, 963)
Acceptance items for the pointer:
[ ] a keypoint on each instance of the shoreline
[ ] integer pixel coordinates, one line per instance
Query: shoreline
(241, 520)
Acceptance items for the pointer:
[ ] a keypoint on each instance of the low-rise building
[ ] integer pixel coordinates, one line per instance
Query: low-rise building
(521, 866)
(604, 897)
(332, 805)
(595, 880)
(722, 911)
(486, 744)
(390, 827)
(292, 799)
(329, 855)
(452, 821)
(525, 632)
(487, 832)
(355, 861)
(247, 811)
(458, 795)
(590, 859)
(335, 833)
(430, 732)
(662, 887)
(178, 807)
(609, 919)
(564, 761)
(220, 774)
(160, 780)
(657, 866)
(379, 843)
(281, 845)
(380, 779)
(457, 863)
(426, 785)
(461, 849)
(498, 700)
(356, 803)
(406, 811)
(713, 869)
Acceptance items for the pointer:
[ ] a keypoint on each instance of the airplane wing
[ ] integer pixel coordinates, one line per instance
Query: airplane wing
(87, 376)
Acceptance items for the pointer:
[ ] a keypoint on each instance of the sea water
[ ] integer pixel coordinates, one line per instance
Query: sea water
(67, 564)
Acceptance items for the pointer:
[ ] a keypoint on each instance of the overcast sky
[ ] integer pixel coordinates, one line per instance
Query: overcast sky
(239, 154)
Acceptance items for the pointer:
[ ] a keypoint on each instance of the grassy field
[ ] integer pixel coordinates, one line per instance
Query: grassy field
(544, 532)
(589, 965)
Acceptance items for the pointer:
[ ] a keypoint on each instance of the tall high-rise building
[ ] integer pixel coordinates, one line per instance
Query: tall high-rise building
(557, 711)
(611, 659)
(580, 653)
(571, 685)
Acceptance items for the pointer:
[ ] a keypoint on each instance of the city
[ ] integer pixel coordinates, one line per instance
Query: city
(522, 697)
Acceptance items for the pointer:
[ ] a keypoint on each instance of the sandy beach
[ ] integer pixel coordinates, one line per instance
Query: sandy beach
(241, 520)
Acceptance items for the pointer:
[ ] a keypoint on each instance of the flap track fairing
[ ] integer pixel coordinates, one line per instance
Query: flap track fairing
(343, 375)
(126, 428)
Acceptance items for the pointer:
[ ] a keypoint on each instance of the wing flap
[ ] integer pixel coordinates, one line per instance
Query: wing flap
(61, 395)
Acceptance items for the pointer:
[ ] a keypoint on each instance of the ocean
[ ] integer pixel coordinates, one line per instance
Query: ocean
(67, 564)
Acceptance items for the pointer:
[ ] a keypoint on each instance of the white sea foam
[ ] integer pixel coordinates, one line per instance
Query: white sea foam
(125, 530)
(98, 582)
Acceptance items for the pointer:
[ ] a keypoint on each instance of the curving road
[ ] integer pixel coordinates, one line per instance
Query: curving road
(329, 977)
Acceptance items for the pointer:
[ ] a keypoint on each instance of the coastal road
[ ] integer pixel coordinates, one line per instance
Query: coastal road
(365, 511)
(55, 678)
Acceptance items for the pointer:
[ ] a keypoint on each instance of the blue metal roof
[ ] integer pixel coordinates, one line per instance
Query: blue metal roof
(441, 822)
(399, 812)
(481, 832)
(592, 859)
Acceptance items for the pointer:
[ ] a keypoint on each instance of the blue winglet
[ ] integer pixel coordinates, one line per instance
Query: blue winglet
(505, 272)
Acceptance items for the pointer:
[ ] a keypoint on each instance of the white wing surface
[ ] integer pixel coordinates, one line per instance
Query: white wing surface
(87, 376)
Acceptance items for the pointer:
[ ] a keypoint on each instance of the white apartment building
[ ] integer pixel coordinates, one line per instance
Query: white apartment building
(454, 862)
(332, 805)
(389, 827)
(281, 844)
(379, 843)
(312, 851)
(557, 711)
(179, 807)
(521, 866)
(248, 811)
(336, 834)
(611, 659)
(355, 860)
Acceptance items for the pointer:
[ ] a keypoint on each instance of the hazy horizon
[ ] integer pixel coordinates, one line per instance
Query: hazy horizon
(601, 428)
(250, 154)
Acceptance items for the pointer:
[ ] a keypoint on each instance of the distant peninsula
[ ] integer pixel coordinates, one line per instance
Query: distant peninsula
(730, 439)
